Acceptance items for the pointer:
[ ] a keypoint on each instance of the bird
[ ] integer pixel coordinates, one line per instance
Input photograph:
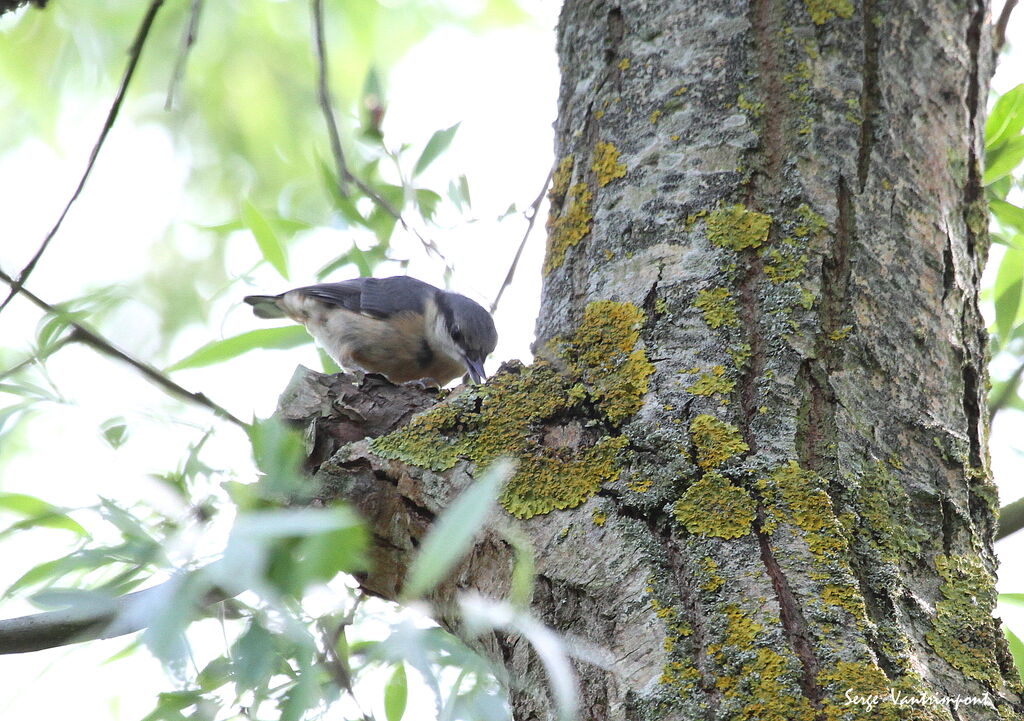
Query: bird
(399, 327)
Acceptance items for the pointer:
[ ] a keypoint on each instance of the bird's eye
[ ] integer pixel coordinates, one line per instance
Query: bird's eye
(456, 333)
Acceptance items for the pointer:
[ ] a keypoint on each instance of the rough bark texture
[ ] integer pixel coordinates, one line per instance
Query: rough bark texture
(752, 457)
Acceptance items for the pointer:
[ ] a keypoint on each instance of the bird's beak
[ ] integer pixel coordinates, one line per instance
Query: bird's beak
(476, 369)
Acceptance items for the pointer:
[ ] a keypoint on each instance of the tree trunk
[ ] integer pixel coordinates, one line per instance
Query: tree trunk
(752, 455)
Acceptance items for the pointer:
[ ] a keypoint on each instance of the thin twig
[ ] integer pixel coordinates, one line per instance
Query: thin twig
(999, 34)
(126, 614)
(36, 358)
(532, 218)
(82, 334)
(188, 39)
(133, 59)
(1006, 393)
(1011, 519)
(344, 173)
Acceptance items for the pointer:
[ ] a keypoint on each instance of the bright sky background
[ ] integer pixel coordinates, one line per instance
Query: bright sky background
(503, 94)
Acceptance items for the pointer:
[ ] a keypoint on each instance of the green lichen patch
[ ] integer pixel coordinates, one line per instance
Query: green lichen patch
(714, 507)
(715, 441)
(560, 180)
(782, 268)
(797, 496)
(885, 521)
(506, 417)
(821, 11)
(718, 307)
(606, 165)
(712, 581)
(568, 227)
(866, 683)
(963, 630)
(604, 355)
(736, 227)
(712, 382)
(757, 684)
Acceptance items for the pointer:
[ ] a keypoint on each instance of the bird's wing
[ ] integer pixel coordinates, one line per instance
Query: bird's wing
(379, 297)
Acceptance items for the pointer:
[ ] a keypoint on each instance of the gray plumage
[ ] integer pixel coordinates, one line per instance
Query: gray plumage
(401, 327)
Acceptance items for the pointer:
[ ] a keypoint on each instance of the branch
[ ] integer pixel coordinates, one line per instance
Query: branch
(188, 39)
(999, 34)
(532, 218)
(1006, 394)
(82, 334)
(1011, 519)
(133, 59)
(347, 408)
(344, 174)
(126, 614)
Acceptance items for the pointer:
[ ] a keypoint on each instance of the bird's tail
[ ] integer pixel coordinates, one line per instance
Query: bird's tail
(265, 306)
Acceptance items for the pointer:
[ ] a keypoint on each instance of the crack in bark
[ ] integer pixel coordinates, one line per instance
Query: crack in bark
(765, 22)
(613, 37)
(791, 616)
(972, 411)
(870, 94)
(972, 189)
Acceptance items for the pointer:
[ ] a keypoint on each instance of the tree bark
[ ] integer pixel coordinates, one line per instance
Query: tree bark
(753, 451)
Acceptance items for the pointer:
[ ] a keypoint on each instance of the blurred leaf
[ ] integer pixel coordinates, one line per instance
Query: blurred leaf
(25, 504)
(437, 144)
(53, 519)
(1007, 117)
(1009, 282)
(279, 452)
(396, 693)
(1002, 160)
(115, 431)
(170, 705)
(1016, 649)
(253, 656)
(327, 363)
(1014, 599)
(1007, 214)
(452, 532)
(427, 202)
(77, 598)
(483, 615)
(284, 337)
(215, 674)
(363, 260)
(269, 244)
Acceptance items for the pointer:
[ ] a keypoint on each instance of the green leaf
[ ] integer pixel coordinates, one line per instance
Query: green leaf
(1014, 599)
(55, 519)
(453, 531)
(353, 256)
(1007, 214)
(327, 363)
(1016, 649)
(289, 336)
(253, 656)
(1003, 160)
(427, 202)
(279, 452)
(270, 245)
(437, 144)
(115, 431)
(25, 504)
(1007, 290)
(1006, 118)
(396, 693)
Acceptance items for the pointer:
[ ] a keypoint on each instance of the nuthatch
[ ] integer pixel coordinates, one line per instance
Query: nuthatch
(399, 327)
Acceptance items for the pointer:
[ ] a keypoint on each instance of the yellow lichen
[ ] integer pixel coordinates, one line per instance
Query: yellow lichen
(821, 11)
(714, 507)
(599, 517)
(560, 179)
(715, 441)
(736, 227)
(782, 268)
(603, 353)
(794, 495)
(505, 417)
(569, 226)
(713, 382)
(717, 306)
(606, 165)
(714, 581)
(963, 630)
(624, 64)
(653, 117)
